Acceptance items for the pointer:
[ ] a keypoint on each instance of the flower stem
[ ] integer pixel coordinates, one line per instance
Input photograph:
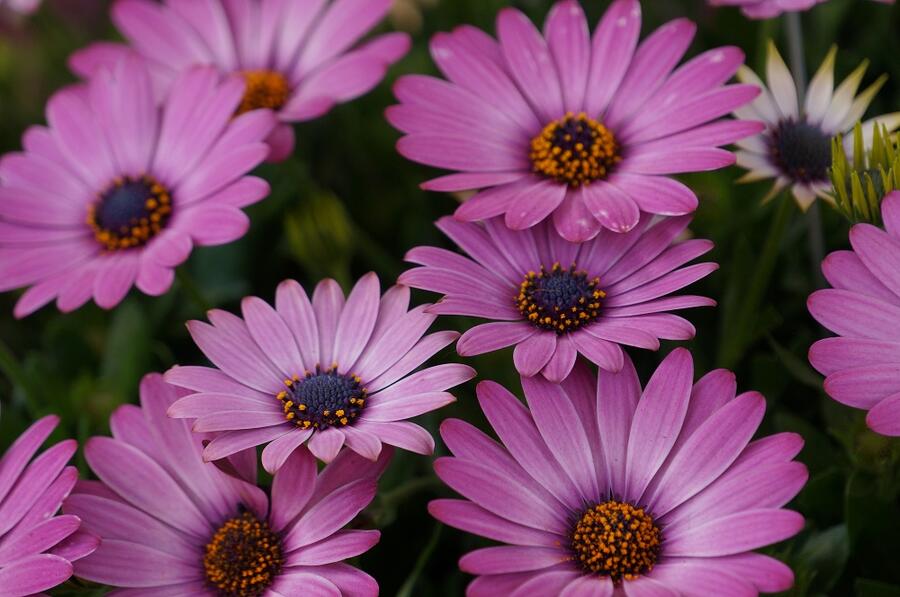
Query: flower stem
(14, 371)
(741, 331)
(410, 584)
(815, 237)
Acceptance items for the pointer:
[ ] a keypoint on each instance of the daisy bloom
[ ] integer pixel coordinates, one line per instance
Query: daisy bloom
(330, 371)
(115, 192)
(795, 148)
(20, 6)
(37, 546)
(601, 488)
(297, 57)
(767, 9)
(553, 299)
(586, 130)
(862, 365)
(172, 524)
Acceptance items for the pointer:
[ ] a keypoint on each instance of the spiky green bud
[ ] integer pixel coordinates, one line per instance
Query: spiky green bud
(862, 180)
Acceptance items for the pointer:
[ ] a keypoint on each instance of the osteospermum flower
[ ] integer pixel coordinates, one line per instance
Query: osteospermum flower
(587, 130)
(173, 525)
(862, 364)
(298, 57)
(767, 9)
(553, 299)
(600, 488)
(37, 547)
(330, 371)
(795, 148)
(115, 192)
(20, 6)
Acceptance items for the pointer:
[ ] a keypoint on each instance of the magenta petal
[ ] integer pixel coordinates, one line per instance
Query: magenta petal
(736, 533)
(658, 419)
(469, 517)
(884, 418)
(326, 517)
(326, 444)
(531, 355)
(35, 574)
(340, 546)
(509, 558)
(613, 208)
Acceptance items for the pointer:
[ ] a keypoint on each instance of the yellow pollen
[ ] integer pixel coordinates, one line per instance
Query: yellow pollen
(243, 557)
(264, 89)
(559, 299)
(575, 150)
(617, 540)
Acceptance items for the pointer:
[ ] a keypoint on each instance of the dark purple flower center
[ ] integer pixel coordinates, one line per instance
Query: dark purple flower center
(801, 151)
(575, 150)
(243, 557)
(323, 398)
(130, 212)
(616, 539)
(559, 299)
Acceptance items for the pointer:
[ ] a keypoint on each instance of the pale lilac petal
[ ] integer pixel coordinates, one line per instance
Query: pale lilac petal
(532, 354)
(469, 517)
(509, 558)
(736, 533)
(658, 419)
(326, 444)
(489, 337)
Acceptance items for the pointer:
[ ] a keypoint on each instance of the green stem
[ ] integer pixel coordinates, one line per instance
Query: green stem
(742, 333)
(406, 590)
(410, 488)
(192, 290)
(815, 237)
(14, 371)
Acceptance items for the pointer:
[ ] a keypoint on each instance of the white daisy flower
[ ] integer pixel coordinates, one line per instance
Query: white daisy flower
(795, 147)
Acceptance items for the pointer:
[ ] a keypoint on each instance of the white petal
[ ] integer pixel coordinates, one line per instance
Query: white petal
(821, 89)
(861, 104)
(781, 82)
(843, 98)
(763, 107)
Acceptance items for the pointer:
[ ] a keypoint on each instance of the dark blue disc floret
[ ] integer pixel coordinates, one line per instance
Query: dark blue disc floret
(323, 398)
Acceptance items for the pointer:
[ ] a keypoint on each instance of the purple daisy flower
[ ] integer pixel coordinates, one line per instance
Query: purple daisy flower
(173, 525)
(553, 299)
(331, 371)
(862, 365)
(115, 192)
(767, 9)
(298, 57)
(37, 547)
(587, 130)
(601, 488)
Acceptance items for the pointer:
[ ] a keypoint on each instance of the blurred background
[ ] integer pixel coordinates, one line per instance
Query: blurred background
(347, 203)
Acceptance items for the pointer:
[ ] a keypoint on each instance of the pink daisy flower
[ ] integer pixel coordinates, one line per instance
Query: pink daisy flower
(553, 299)
(601, 488)
(584, 130)
(115, 192)
(37, 547)
(20, 6)
(328, 371)
(862, 365)
(767, 9)
(298, 57)
(173, 525)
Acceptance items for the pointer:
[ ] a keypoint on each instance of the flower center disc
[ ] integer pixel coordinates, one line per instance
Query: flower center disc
(130, 212)
(616, 539)
(323, 398)
(575, 150)
(243, 557)
(559, 299)
(802, 151)
(265, 89)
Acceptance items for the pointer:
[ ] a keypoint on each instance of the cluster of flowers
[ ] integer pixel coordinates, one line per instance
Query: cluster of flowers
(575, 244)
